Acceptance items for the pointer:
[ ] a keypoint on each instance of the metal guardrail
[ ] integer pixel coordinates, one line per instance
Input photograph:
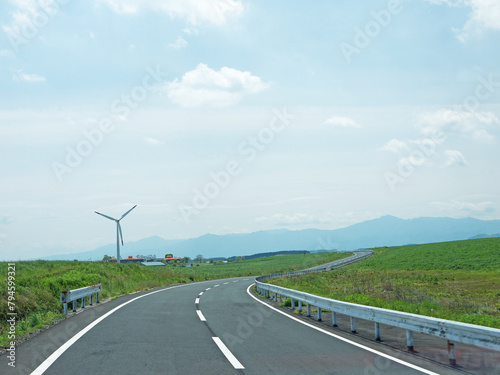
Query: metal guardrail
(325, 267)
(476, 335)
(81, 293)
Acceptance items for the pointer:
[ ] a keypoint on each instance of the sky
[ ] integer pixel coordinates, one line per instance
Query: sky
(234, 116)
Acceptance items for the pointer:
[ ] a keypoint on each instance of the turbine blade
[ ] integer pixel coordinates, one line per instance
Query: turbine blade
(126, 213)
(106, 216)
(120, 231)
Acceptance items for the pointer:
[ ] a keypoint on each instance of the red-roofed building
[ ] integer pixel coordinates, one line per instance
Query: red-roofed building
(131, 259)
(170, 259)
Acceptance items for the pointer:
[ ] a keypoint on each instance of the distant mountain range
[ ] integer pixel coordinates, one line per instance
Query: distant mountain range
(384, 231)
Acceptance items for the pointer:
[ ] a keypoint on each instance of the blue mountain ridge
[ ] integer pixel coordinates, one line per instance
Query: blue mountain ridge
(384, 231)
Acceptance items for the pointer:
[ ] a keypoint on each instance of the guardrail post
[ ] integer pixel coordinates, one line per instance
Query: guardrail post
(90, 299)
(334, 319)
(377, 331)
(308, 309)
(319, 314)
(409, 340)
(293, 303)
(353, 324)
(75, 302)
(451, 353)
(300, 306)
(83, 302)
(65, 308)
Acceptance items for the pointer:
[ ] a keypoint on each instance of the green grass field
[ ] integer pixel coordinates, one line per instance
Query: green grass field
(39, 283)
(453, 280)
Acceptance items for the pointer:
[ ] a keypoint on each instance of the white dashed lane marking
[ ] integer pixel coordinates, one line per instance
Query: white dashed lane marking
(223, 348)
(230, 356)
(200, 315)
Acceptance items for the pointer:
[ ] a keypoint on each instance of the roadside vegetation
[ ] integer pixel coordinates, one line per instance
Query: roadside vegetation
(38, 284)
(457, 280)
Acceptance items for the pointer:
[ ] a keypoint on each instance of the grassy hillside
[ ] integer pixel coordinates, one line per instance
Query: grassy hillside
(453, 280)
(39, 283)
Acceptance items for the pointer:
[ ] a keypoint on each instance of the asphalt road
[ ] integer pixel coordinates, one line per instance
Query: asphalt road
(212, 327)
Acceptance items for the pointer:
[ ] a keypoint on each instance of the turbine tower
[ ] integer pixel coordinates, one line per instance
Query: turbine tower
(119, 235)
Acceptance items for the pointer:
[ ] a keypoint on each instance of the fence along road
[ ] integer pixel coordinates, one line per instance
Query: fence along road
(476, 335)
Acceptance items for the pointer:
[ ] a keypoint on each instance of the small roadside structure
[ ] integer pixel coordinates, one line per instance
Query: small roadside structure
(131, 259)
(153, 264)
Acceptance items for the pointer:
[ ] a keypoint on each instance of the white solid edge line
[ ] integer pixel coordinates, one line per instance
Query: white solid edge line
(230, 356)
(415, 367)
(200, 315)
(197, 300)
(54, 356)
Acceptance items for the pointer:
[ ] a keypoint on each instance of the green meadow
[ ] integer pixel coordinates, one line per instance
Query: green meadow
(457, 280)
(38, 284)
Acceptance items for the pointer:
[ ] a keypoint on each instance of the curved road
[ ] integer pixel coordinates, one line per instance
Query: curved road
(213, 327)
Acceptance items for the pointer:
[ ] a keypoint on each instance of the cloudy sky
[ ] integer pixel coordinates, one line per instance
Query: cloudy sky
(229, 116)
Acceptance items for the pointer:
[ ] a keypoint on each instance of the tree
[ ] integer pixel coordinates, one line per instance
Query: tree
(169, 255)
(199, 258)
(106, 258)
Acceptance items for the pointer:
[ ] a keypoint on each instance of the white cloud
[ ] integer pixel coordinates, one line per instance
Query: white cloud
(25, 77)
(482, 136)
(484, 15)
(179, 43)
(454, 157)
(457, 122)
(205, 86)
(153, 141)
(340, 121)
(457, 208)
(191, 31)
(218, 12)
(395, 145)
(24, 17)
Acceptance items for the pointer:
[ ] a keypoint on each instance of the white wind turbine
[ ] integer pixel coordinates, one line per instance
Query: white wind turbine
(118, 231)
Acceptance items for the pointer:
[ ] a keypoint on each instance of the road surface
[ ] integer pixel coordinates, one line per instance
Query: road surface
(212, 327)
